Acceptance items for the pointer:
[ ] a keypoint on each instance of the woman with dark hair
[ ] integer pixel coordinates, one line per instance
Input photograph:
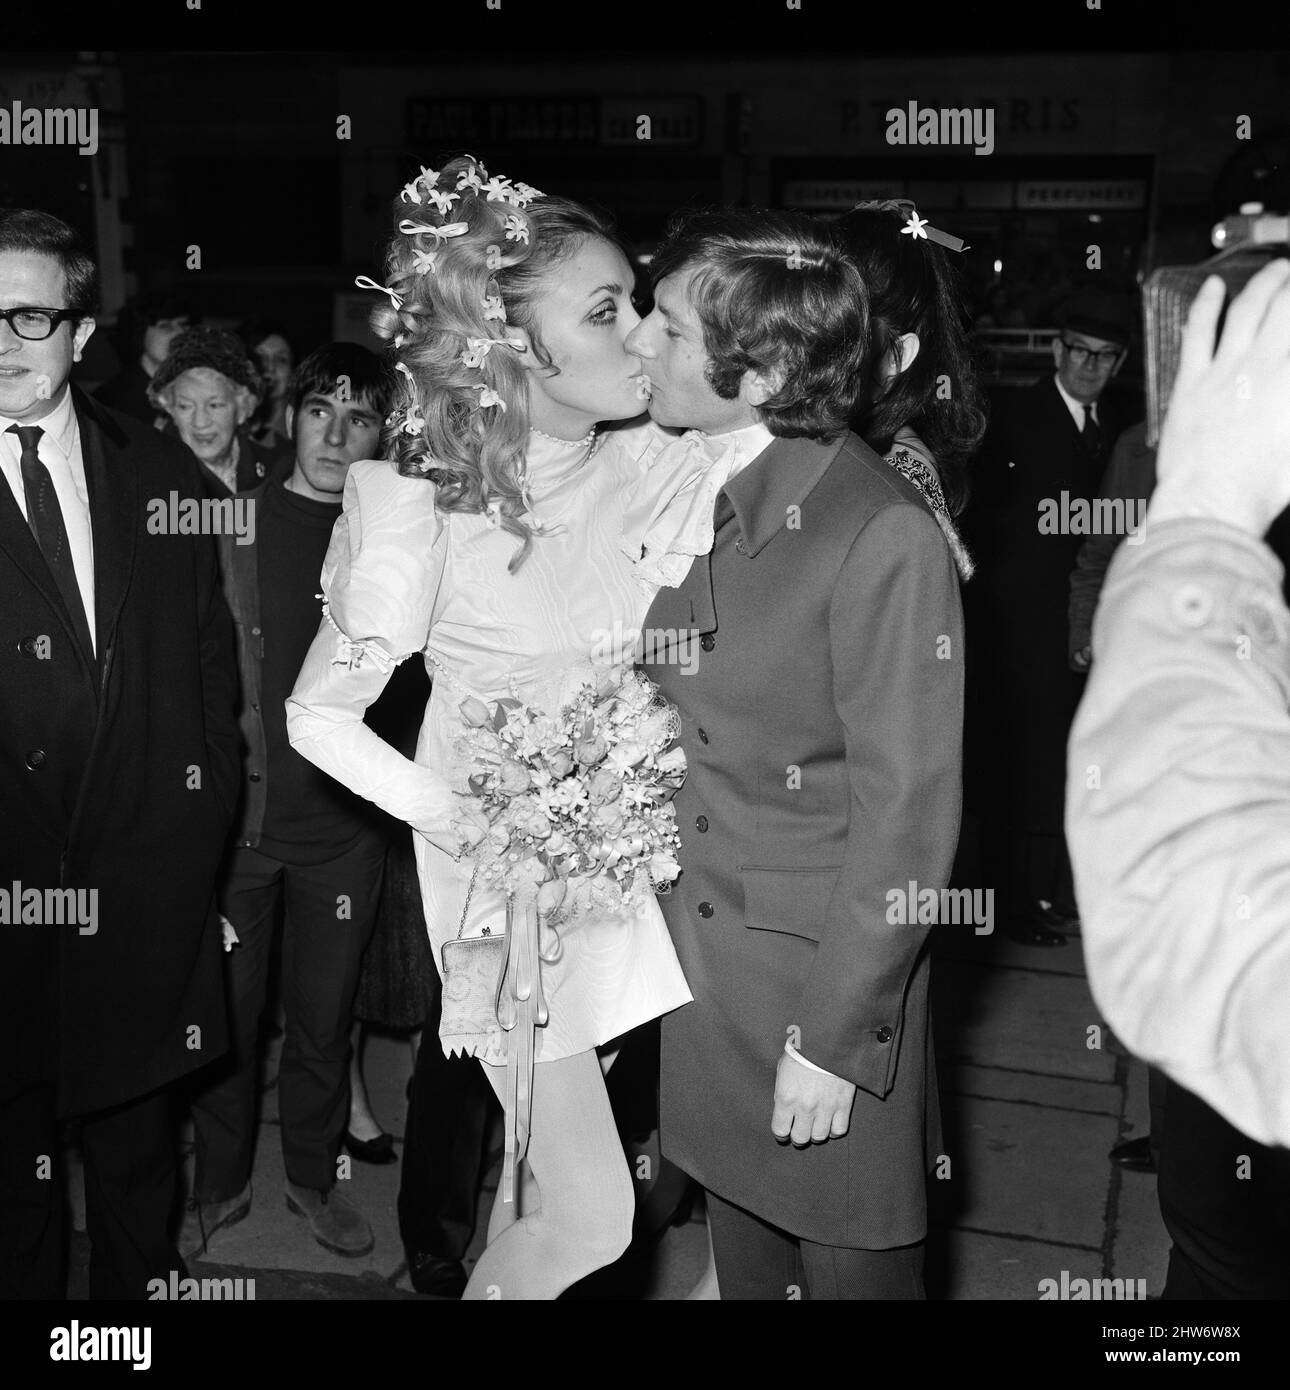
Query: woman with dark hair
(495, 543)
(923, 409)
(271, 348)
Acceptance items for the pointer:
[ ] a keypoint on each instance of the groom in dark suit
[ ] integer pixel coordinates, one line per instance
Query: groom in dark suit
(822, 724)
(120, 766)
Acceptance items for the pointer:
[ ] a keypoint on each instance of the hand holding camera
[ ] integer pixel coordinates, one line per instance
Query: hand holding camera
(1225, 442)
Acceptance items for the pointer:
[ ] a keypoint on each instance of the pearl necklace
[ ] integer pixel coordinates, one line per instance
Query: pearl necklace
(587, 439)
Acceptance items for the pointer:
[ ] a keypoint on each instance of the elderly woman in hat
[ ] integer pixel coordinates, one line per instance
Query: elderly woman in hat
(209, 388)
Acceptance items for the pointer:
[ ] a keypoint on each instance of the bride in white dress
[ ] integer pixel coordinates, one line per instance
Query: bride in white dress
(503, 544)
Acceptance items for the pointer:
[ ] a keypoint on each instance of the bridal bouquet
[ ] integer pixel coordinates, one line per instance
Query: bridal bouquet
(576, 806)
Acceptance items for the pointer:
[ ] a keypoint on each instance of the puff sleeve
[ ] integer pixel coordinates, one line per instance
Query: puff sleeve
(380, 580)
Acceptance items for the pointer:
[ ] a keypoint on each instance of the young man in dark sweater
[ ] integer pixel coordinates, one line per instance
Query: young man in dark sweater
(301, 840)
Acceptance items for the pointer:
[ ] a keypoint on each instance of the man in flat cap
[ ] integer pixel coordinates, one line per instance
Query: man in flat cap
(1041, 464)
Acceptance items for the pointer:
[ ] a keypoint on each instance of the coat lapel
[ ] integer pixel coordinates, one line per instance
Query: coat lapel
(783, 475)
(112, 480)
(756, 500)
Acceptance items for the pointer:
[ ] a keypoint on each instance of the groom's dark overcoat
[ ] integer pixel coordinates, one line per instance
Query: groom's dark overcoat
(823, 728)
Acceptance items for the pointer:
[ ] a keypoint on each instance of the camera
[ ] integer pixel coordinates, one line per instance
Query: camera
(1244, 244)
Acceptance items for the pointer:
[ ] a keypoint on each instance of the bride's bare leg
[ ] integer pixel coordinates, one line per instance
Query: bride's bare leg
(585, 1218)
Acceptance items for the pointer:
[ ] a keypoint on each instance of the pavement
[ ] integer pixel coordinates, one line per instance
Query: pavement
(1035, 1091)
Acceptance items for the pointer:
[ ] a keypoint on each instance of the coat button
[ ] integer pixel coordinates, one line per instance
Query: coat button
(885, 1034)
(701, 824)
(36, 759)
(705, 909)
(255, 777)
(703, 737)
(28, 646)
(707, 642)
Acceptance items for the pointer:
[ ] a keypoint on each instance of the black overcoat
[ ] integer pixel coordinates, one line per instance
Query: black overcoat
(120, 773)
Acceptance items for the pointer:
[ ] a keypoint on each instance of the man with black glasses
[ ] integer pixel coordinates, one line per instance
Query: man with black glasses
(120, 767)
(1040, 465)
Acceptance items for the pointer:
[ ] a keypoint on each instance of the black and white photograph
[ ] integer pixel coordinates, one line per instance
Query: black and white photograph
(644, 656)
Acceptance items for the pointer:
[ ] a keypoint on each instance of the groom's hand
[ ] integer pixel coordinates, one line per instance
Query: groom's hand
(810, 1106)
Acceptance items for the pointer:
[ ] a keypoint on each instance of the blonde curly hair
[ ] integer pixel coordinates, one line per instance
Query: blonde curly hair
(466, 260)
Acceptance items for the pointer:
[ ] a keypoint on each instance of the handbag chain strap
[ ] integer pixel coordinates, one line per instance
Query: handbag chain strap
(466, 906)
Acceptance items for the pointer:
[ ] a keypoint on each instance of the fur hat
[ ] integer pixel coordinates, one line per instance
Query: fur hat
(213, 348)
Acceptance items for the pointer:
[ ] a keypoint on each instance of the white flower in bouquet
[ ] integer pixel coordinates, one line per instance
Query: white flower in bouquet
(603, 786)
(623, 757)
(663, 868)
(512, 778)
(608, 820)
(590, 748)
(475, 712)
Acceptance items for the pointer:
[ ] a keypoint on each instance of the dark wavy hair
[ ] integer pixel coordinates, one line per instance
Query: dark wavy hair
(774, 294)
(473, 286)
(913, 288)
(27, 229)
(369, 378)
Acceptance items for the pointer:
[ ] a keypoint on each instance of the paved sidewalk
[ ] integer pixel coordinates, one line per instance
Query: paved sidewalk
(1030, 1111)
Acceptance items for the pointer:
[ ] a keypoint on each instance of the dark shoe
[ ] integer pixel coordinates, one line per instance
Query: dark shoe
(1135, 1155)
(203, 1219)
(378, 1150)
(1058, 919)
(1032, 930)
(336, 1222)
(432, 1274)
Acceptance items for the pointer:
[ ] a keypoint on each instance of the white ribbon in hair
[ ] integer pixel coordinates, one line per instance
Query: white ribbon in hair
(364, 283)
(478, 348)
(441, 234)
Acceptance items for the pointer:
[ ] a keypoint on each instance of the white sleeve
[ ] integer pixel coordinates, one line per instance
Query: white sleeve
(1178, 817)
(380, 579)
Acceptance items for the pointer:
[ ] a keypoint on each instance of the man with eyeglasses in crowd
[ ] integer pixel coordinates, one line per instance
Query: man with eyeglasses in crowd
(1045, 453)
(120, 763)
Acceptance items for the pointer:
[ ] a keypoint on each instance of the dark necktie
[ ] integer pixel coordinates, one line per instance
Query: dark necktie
(45, 517)
(1091, 434)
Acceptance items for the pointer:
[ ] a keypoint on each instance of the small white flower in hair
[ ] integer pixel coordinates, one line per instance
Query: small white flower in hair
(423, 262)
(443, 201)
(405, 369)
(516, 228)
(523, 194)
(411, 192)
(414, 421)
(914, 227)
(428, 177)
(487, 397)
(399, 340)
(495, 190)
(494, 308)
(469, 178)
(476, 351)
